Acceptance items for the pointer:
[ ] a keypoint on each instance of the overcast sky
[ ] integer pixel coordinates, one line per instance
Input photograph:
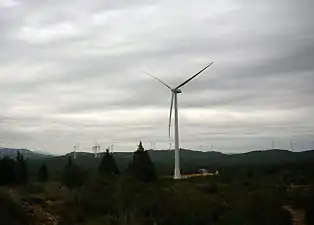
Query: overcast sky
(71, 73)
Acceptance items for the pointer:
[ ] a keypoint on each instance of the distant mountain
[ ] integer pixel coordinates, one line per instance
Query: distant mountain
(191, 160)
(44, 153)
(164, 159)
(12, 153)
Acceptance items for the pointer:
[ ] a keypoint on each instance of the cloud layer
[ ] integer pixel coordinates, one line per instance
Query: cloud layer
(71, 73)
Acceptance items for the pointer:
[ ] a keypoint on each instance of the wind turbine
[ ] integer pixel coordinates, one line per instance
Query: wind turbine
(174, 103)
(272, 144)
(96, 149)
(292, 145)
(152, 145)
(74, 151)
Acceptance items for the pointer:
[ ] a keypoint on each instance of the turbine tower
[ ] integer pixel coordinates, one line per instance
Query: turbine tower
(292, 145)
(174, 103)
(96, 149)
(74, 151)
(152, 145)
(272, 143)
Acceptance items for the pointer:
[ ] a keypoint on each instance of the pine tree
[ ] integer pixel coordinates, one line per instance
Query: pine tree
(70, 163)
(73, 176)
(108, 165)
(43, 174)
(7, 171)
(21, 169)
(142, 166)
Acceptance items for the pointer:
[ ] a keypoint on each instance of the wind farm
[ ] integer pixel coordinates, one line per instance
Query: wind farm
(156, 112)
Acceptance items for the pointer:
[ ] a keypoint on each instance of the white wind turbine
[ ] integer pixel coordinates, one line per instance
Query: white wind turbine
(96, 149)
(74, 151)
(174, 102)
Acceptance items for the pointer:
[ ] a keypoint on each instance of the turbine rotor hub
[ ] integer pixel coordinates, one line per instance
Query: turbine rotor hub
(177, 91)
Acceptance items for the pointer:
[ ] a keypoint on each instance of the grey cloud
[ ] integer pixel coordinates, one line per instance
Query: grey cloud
(62, 84)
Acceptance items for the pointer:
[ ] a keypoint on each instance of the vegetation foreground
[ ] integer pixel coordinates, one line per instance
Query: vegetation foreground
(255, 195)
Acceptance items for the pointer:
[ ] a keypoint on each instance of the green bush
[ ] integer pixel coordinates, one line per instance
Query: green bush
(12, 213)
(34, 188)
(74, 176)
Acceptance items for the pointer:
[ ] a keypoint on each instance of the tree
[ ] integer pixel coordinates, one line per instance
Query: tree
(70, 163)
(43, 174)
(309, 211)
(108, 165)
(21, 169)
(12, 212)
(13, 171)
(73, 176)
(142, 166)
(7, 171)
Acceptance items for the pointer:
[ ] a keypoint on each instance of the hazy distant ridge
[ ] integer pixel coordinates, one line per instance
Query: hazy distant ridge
(164, 159)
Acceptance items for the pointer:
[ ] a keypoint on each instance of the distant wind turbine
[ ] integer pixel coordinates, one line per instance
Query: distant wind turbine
(152, 145)
(96, 149)
(272, 143)
(292, 145)
(111, 148)
(174, 103)
(74, 151)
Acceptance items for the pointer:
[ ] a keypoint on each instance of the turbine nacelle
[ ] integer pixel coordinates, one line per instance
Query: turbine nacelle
(177, 91)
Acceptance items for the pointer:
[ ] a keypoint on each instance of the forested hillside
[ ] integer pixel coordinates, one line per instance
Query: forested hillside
(260, 188)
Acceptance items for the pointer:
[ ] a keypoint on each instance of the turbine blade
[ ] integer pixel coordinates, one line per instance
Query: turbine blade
(187, 81)
(158, 80)
(170, 114)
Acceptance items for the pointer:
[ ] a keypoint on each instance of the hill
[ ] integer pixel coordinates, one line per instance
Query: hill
(12, 152)
(275, 182)
(190, 160)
